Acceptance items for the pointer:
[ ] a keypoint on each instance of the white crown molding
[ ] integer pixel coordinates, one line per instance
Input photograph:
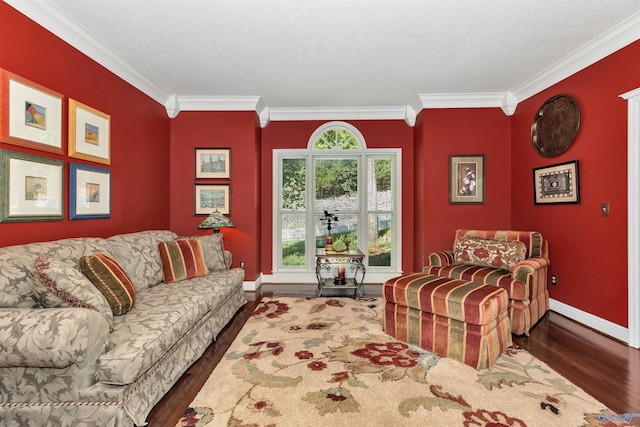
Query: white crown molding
(219, 103)
(509, 103)
(631, 94)
(176, 104)
(264, 116)
(172, 106)
(602, 46)
(504, 100)
(413, 109)
(339, 113)
(51, 18)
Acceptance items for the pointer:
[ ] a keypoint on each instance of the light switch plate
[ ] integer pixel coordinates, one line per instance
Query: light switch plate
(604, 209)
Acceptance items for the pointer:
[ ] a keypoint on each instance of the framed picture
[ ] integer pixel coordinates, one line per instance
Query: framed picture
(556, 184)
(466, 179)
(89, 133)
(30, 188)
(208, 198)
(89, 192)
(30, 114)
(213, 163)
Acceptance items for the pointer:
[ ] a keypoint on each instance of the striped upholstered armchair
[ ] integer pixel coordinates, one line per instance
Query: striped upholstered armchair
(517, 261)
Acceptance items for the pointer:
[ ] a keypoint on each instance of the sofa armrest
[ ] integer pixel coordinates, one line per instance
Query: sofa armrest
(228, 257)
(51, 338)
(532, 272)
(528, 267)
(439, 259)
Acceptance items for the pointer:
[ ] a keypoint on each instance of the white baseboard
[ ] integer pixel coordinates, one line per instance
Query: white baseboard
(249, 286)
(599, 324)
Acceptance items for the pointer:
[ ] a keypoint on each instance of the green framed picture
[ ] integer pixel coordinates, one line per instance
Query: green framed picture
(31, 188)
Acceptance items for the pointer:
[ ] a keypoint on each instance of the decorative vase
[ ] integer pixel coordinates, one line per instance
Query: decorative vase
(341, 279)
(329, 244)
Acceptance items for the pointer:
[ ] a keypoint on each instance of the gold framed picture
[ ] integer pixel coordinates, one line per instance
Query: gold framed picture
(30, 114)
(89, 133)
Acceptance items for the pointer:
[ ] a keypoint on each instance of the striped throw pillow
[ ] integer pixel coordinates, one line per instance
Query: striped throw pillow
(110, 279)
(182, 259)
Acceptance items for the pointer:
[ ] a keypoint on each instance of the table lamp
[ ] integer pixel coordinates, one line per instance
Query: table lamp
(216, 220)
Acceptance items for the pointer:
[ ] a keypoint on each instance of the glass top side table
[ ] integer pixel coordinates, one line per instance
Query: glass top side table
(340, 270)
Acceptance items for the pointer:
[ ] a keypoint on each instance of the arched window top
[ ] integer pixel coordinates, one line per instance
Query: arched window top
(337, 136)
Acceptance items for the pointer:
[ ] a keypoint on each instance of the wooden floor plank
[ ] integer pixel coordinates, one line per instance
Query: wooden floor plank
(605, 368)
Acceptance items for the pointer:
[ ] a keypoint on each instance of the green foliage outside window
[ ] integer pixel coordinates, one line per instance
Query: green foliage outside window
(383, 174)
(380, 250)
(336, 137)
(293, 253)
(336, 177)
(294, 187)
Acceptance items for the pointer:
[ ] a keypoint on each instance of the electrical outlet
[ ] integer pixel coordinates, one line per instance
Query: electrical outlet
(242, 264)
(554, 279)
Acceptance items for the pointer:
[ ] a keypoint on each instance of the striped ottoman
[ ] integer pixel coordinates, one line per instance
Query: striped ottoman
(466, 321)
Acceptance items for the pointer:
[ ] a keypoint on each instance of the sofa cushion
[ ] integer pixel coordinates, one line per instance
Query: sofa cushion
(16, 265)
(532, 239)
(500, 254)
(138, 255)
(213, 249)
(110, 279)
(69, 340)
(469, 302)
(517, 289)
(182, 259)
(56, 285)
(161, 316)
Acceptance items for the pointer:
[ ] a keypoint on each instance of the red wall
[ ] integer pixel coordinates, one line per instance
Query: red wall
(139, 133)
(462, 131)
(150, 191)
(377, 134)
(419, 194)
(219, 129)
(588, 252)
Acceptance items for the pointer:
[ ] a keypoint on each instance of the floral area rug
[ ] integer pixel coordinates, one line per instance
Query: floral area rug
(327, 362)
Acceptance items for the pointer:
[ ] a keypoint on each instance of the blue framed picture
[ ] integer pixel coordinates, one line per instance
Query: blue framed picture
(89, 192)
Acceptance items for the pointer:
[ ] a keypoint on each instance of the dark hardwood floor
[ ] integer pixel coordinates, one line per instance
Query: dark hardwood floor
(605, 368)
(171, 408)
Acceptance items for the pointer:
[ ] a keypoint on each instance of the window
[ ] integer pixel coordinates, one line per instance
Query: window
(339, 174)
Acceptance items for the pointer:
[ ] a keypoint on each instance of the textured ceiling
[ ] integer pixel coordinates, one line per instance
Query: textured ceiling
(341, 53)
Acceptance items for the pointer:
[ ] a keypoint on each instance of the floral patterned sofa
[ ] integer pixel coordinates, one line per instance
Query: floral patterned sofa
(517, 261)
(76, 363)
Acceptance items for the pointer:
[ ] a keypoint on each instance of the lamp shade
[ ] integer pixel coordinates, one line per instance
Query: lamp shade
(216, 220)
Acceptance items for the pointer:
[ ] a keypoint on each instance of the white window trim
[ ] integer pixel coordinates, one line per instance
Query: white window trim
(307, 274)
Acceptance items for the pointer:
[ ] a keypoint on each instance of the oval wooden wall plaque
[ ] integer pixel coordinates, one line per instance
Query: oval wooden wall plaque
(555, 126)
